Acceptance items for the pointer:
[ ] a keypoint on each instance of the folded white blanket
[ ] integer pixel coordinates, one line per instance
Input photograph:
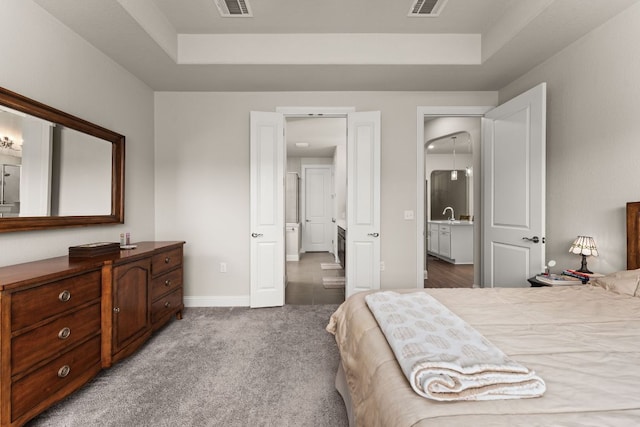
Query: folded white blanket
(443, 357)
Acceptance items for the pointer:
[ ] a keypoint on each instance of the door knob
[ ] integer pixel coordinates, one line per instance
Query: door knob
(254, 235)
(373, 234)
(534, 239)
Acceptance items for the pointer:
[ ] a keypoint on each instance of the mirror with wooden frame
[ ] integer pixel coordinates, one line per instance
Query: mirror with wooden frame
(56, 170)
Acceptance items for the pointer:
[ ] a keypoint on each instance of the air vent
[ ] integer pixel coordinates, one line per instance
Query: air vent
(428, 8)
(234, 8)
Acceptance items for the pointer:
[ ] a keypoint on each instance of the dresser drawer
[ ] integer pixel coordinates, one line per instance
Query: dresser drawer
(166, 283)
(167, 304)
(34, 388)
(165, 261)
(54, 337)
(36, 304)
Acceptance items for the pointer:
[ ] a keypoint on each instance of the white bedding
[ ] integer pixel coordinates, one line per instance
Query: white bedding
(584, 341)
(442, 356)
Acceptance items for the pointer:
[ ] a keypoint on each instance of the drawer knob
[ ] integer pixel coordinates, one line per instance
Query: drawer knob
(167, 304)
(64, 333)
(166, 260)
(116, 309)
(64, 371)
(64, 296)
(167, 282)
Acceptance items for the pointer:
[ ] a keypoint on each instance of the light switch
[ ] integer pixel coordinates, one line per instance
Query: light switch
(408, 215)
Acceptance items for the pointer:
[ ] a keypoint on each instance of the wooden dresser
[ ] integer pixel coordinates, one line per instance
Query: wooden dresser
(63, 319)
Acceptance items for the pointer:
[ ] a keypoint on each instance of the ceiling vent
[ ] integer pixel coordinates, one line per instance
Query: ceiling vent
(427, 8)
(234, 8)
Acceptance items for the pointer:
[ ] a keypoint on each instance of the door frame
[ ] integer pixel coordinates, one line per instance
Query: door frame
(316, 112)
(440, 111)
(292, 111)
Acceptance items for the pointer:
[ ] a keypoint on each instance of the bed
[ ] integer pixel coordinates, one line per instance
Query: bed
(583, 340)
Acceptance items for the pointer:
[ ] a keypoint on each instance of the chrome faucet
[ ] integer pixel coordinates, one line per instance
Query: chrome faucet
(452, 217)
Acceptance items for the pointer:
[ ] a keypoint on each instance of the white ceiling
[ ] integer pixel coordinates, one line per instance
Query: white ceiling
(331, 45)
(322, 134)
(446, 144)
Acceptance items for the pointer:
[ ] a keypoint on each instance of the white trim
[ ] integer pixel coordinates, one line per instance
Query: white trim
(286, 112)
(218, 301)
(422, 112)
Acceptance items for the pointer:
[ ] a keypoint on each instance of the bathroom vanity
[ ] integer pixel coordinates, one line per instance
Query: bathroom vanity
(451, 241)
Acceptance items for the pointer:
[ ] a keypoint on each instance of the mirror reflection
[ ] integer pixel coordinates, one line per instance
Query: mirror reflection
(448, 193)
(51, 170)
(449, 172)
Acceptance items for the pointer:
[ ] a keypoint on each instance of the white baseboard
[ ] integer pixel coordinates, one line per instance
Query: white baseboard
(293, 257)
(226, 301)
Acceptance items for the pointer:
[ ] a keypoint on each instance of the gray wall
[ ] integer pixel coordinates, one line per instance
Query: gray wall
(593, 134)
(46, 61)
(202, 182)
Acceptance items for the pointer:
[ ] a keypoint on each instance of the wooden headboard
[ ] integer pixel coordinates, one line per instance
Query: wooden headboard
(633, 235)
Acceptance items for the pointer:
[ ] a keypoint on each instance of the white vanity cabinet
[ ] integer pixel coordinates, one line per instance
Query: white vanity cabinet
(451, 241)
(444, 241)
(292, 241)
(434, 234)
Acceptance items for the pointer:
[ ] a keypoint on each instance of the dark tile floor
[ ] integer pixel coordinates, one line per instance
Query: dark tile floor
(304, 280)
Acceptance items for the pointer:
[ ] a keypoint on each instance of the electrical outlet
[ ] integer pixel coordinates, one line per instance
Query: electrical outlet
(223, 267)
(382, 266)
(408, 215)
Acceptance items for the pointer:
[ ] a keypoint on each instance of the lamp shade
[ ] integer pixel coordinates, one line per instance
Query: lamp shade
(584, 245)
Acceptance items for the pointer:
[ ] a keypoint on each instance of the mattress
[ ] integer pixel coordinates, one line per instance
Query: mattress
(584, 341)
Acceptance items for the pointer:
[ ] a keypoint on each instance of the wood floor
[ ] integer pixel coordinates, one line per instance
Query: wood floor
(446, 275)
(304, 280)
(304, 277)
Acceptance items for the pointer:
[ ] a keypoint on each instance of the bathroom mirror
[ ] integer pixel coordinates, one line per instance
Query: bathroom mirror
(57, 170)
(447, 192)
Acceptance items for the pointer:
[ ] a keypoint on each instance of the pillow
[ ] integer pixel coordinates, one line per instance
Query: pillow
(622, 282)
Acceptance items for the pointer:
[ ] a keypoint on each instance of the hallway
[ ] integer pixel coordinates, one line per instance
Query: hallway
(304, 286)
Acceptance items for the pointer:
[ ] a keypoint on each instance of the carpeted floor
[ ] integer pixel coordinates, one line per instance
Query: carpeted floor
(219, 367)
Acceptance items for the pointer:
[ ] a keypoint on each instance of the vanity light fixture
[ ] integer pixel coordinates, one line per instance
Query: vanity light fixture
(5, 142)
(11, 145)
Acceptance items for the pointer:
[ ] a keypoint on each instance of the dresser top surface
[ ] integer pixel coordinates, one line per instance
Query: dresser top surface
(14, 276)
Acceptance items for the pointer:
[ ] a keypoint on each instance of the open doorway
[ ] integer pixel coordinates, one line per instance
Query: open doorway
(315, 204)
(450, 152)
(268, 166)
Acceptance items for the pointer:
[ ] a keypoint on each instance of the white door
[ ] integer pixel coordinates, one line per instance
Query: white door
(363, 202)
(267, 165)
(514, 139)
(318, 209)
